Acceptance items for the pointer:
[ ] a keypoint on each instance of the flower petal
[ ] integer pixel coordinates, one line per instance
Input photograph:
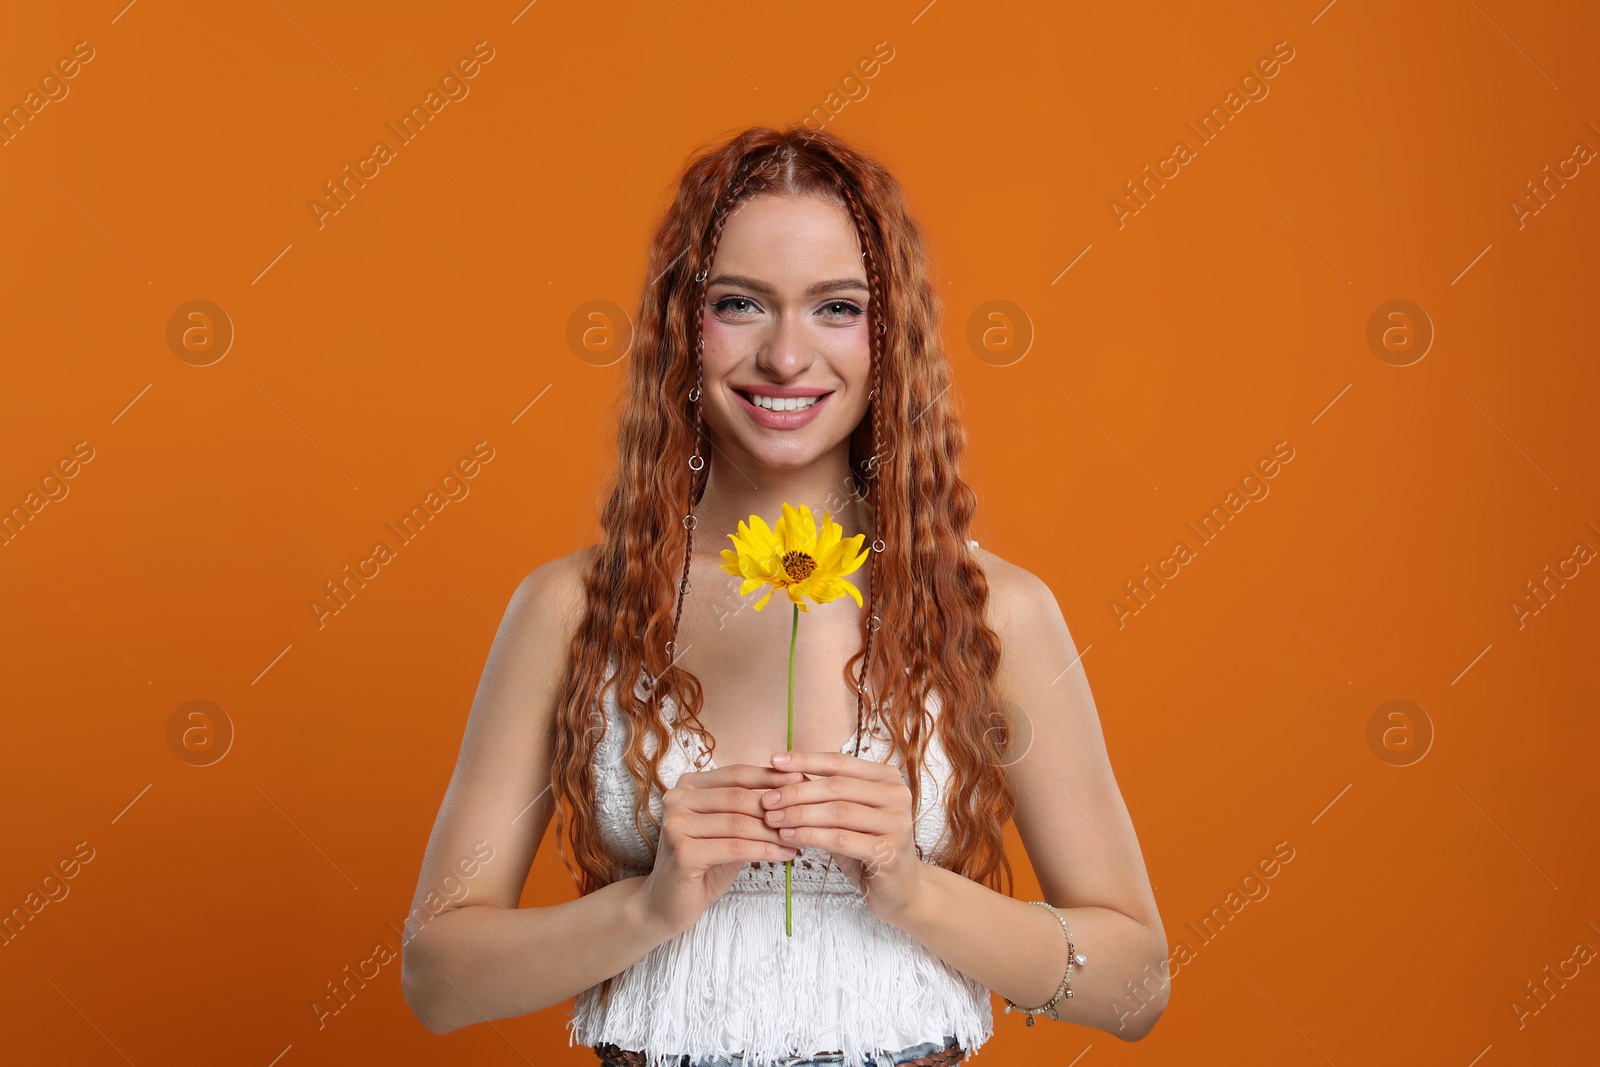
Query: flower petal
(828, 539)
(822, 592)
(789, 529)
(808, 523)
(847, 559)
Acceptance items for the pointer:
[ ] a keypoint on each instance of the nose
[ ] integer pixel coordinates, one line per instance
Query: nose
(785, 352)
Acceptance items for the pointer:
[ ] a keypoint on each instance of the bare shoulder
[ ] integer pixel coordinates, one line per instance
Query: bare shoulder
(549, 597)
(536, 629)
(558, 581)
(1019, 600)
(1037, 649)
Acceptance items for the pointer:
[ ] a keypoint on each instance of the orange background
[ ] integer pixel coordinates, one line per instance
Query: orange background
(1230, 313)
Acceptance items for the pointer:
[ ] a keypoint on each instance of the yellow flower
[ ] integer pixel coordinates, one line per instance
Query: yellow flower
(796, 557)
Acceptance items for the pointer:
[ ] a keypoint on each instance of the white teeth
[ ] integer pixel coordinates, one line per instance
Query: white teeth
(783, 403)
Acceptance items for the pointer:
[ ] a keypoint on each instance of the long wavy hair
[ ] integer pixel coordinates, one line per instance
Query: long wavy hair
(925, 615)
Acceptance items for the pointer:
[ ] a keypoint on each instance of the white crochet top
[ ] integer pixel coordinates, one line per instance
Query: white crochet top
(734, 982)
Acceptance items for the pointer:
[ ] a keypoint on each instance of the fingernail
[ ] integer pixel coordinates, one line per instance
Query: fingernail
(781, 757)
(787, 831)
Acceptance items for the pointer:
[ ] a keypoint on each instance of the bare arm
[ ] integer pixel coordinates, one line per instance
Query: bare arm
(1079, 839)
(469, 952)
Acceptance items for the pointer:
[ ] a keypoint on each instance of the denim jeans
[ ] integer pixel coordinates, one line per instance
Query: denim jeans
(882, 1059)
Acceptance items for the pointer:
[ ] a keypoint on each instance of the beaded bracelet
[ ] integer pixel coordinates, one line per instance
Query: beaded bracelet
(1065, 989)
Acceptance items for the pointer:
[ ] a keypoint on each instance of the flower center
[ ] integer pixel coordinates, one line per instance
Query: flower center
(798, 566)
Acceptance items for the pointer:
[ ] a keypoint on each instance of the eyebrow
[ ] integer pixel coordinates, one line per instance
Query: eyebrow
(832, 286)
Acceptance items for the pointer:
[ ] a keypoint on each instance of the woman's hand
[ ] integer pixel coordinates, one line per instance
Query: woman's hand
(711, 826)
(860, 811)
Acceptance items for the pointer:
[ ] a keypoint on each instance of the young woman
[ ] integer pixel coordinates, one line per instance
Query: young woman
(787, 351)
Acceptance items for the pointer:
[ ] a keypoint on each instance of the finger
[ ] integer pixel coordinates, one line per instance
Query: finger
(695, 842)
(891, 796)
(730, 798)
(716, 825)
(836, 763)
(835, 839)
(835, 814)
(713, 851)
(747, 775)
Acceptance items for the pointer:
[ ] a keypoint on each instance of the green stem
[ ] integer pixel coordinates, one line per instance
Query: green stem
(788, 865)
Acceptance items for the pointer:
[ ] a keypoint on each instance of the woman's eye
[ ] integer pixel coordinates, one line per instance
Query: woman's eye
(743, 305)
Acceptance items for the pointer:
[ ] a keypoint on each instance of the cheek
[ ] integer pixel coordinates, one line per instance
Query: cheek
(722, 349)
(718, 359)
(852, 356)
(715, 333)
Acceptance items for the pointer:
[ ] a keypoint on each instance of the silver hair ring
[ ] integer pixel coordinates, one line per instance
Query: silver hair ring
(690, 522)
(873, 623)
(683, 587)
(700, 277)
(696, 462)
(878, 545)
(694, 394)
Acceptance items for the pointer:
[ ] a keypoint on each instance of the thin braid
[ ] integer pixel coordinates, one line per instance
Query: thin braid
(875, 350)
(876, 341)
(736, 186)
(879, 340)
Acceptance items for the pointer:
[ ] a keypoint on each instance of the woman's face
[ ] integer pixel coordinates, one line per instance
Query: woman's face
(785, 322)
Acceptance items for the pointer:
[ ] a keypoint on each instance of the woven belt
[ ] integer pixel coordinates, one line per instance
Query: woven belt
(948, 1055)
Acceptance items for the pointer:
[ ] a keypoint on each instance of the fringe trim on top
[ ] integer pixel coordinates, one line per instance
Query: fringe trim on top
(736, 983)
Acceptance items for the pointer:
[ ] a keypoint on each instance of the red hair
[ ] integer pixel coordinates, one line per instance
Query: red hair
(928, 593)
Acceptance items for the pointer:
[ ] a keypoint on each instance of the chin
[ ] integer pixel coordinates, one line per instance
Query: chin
(783, 459)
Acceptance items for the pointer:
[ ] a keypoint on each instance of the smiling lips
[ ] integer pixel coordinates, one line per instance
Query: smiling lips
(782, 408)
